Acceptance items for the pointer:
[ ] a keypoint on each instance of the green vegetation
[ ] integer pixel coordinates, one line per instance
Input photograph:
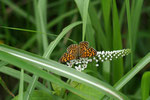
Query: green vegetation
(34, 34)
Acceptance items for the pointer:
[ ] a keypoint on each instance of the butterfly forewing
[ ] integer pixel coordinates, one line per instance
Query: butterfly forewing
(88, 53)
(83, 46)
(75, 51)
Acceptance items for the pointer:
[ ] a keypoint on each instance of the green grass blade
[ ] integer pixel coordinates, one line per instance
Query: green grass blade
(138, 67)
(84, 18)
(18, 10)
(53, 44)
(117, 44)
(21, 86)
(135, 20)
(106, 71)
(129, 34)
(100, 36)
(38, 26)
(16, 74)
(106, 8)
(59, 18)
(33, 38)
(31, 87)
(145, 85)
(41, 20)
(29, 42)
(89, 29)
(26, 61)
(42, 6)
(3, 63)
(122, 13)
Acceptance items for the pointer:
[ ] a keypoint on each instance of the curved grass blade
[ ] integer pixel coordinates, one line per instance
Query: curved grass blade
(34, 37)
(31, 67)
(59, 18)
(33, 63)
(126, 78)
(53, 44)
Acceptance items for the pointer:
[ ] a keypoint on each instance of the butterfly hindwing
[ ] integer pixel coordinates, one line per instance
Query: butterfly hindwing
(75, 51)
(66, 57)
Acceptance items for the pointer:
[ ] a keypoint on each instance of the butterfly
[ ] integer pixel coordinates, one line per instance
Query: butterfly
(76, 51)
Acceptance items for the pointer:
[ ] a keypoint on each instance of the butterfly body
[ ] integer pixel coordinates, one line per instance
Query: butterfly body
(75, 51)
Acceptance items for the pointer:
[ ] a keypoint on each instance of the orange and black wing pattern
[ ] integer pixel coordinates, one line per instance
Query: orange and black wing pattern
(72, 53)
(73, 49)
(88, 53)
(83, 46)
(67, 57)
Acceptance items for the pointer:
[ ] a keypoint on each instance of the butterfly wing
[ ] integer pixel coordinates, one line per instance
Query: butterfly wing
(73, 49)
(83, 46)
(66, 57)
(89, 53)
(72, 53)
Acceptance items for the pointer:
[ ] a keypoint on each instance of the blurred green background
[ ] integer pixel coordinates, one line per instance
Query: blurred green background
(107, 25)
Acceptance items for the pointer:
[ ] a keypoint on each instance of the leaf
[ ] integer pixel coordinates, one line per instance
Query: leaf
(16, 74)
(89, 30)
(145, 85)
(138, 67)
(92, 93)
(21, 85)
(60, 36)
(33, 64)
(39, 95)
(118, 69)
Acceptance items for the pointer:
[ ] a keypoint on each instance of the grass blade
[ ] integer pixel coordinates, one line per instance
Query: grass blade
(135, 20)
(106, 71)
(100, 36)
(26, 61)
(129, 34)
(126, 78)
(145, 87)
(106, 8)
(84, 18)
(89, 29)
(41, 20)
(16, 74)
(59, 18)
(117, 44)
(21, 86)
(56, 41)
(42, 6)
